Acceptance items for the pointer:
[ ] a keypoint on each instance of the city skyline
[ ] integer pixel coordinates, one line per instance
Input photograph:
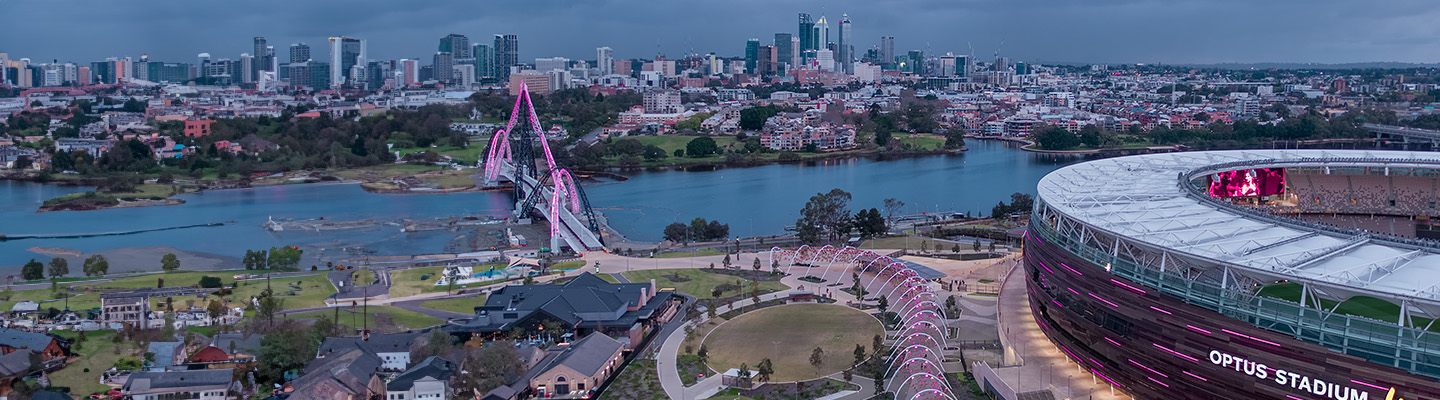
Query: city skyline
(1123, 31)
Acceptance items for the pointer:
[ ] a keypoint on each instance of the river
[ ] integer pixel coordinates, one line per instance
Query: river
(753, 201)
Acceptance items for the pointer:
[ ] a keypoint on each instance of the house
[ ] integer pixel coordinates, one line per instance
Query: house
(429, 379)
(351, 374)
(627, 311)
(125, 308)
(392, 349)
(13, 366)
(580, 367)
(204, 384)
(228, 349)
(47, 346)
(167, 355)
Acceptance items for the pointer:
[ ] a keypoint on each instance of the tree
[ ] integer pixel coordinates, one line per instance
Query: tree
(869, 223)
(653, 152)
(96, 265)
(892, 206)
(700, 147)
(824, 217)
(756, 264)
(860, 354)
(744, 371)
(488, 368)
(269, 306)
(817, 357)
(703, 354)
(883, 304)
(679, 153)
(436, 343)
(169, 262)
(33, 271)
(284, 349)
(1054, 138)
(726, 262)
(764, 370)
(215, 308)
(879, 384)
(876, 343)
(59, 267)
(284, 257)
(210, 282)
(676, 232)
(1201, 116)
(254, 259)
(754, 118)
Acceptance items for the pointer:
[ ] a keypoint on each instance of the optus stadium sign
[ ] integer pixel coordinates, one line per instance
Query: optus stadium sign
(1303, 383)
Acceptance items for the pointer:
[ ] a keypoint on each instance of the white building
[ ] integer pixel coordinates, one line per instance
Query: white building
(551, 64)
(662, 101)
(606, 60)
(826, 59)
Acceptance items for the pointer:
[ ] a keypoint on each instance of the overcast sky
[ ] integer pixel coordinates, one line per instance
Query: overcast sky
(1084, 31)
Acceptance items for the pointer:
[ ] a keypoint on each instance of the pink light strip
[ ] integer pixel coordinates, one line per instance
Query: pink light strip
(1106, 378)
(1163, 311)
(1106, 301)
(1071, 269)
(1251, 338)
(1112, 341)
(1159, 382)
(1132, 288)
(1097, 363)
(1369, 384)
(1047, 269)
(1073, 291)
(1293, 397)
(1176, 353)
(1147, 368)
(1057, 304)
(1197, 329)
(1195, 376)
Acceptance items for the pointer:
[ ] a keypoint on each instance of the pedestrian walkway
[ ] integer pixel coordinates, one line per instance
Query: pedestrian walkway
(670, 351)
(1041, 365)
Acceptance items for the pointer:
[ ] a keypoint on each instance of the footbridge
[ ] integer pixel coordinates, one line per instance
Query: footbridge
(542, 188)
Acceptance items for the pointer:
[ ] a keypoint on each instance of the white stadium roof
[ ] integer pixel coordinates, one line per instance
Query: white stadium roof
(1141, 198)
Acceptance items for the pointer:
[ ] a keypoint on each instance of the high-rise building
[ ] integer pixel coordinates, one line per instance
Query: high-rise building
(795, 56)
(962, 66)
(247, 68)
(784, 49)
(263, 56)
(765, 60)
(507, 54)
(752, 55)
(299, 52)
(842, 46)
(822, 34)
(916, 62)
(551, 64)
(380, 74)
(444, 66)
(663, 101)
(825, 59)
(410, 70)
(806, 33)
(605, 60)
(887, 50)
(457, 45)
(624, 67)
(484, 61)
(162, 72)
(345, 54)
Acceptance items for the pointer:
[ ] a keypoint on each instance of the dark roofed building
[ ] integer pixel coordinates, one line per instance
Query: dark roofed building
(204, 384)
(47, 346)
(392, 349)
(351, 374)
(580, 367)
(428, 379)
(586, 304)
(228, 349)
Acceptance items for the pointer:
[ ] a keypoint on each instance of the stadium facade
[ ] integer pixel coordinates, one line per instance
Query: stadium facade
(1177, 276)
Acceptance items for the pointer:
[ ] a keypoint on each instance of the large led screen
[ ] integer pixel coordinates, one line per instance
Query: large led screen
(1248, 183)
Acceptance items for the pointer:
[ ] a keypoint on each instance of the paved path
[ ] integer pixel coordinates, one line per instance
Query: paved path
(1043, 364)
(670, 351)
(414, 305)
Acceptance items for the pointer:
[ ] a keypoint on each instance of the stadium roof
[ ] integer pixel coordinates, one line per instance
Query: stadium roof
(1145, 199)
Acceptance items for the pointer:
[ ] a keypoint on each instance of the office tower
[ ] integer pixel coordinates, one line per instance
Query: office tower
(247, 68)
(765, 60)
(457, 45)
(139, 70)
(262, 55)
(202, 63)
(887, 50)
(806, 33)
(551, 64)
(507, 54)
(444, 64)
(752, 54)
(484, 61)
(822, 34)
(411, 71)
(842, 45)
(345, 54)
(1021, 68)
(605, 60)
(463, 75)
(270, 59)
(624, 67)
(380, 74)
(825, 59)
(299, 52)
(962, 66)
(784, 49)
(795, 56)
(916, 61)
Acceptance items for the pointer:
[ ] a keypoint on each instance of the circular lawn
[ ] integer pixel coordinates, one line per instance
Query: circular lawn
(800, 328)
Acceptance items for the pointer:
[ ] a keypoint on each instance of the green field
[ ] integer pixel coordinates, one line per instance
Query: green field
(408, 283)
(672, 142)
(463, 305)
(298, 292)
(700, 283)
(383, 318)
(922, 141)
(143, 191)
(799, 328)
(467, 156)
(97, 355)
(1364, 306)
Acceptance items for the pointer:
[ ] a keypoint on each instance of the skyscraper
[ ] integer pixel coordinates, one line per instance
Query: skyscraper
(299, 52)
(796, 60)
(484, 61)
(784, 49)
(887, 50)
(507, 54)
(262, 59)
(247, 68)
(916, 61)
(605, 59)
(822, 34)
(457, 45)
(444, 64)
(842, 46)
(806, 33)
(345, 54)
(765, 60)
(752, 55)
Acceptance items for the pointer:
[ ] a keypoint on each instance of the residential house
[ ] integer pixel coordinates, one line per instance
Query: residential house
(392, 349)
(580, 367)
(125, 308)
(429, 379)
(205, 384)
(627, 311)
(49, 348)
(167, 355)
(228, 349)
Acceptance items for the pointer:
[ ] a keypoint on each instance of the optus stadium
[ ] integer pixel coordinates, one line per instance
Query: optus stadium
(1278, 274)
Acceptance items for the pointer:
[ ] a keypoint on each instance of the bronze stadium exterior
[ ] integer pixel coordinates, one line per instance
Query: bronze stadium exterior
(1138, 275)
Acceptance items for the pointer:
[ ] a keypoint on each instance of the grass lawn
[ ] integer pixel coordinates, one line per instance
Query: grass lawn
(699, 283)
(638, 381)
(568, 265)
(684, 254)
(608, 278)
(97, 355)
(383, 318)
(463, 305)
(451, 179)
(468, 155)
(799, 328)
(923, 141)
(671, 142)
(308, 291)
(1364, 306)
(143, 191)
(901, 242)
(408, 283)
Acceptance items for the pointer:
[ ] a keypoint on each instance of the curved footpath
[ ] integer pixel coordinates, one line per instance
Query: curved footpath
(1038, 364)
